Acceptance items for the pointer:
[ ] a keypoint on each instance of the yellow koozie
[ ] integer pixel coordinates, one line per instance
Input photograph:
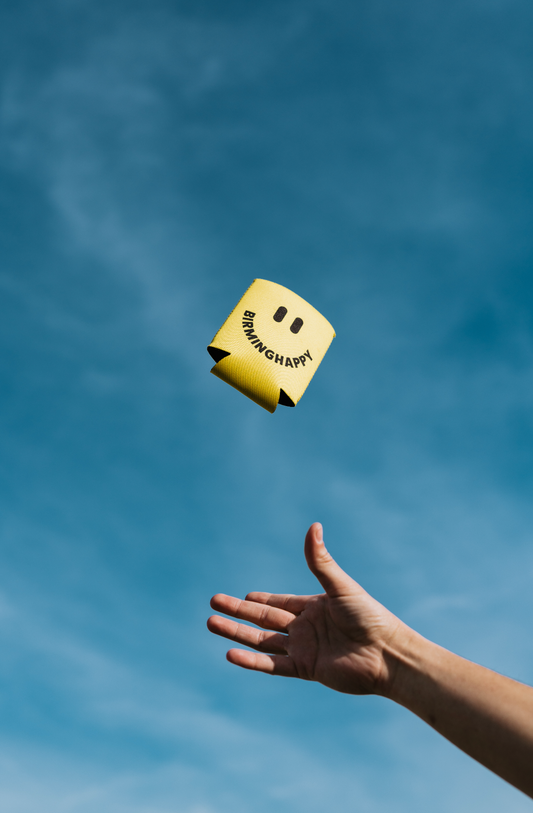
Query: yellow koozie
(271, 344)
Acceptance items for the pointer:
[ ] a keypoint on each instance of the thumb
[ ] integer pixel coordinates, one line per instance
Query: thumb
(332, 577)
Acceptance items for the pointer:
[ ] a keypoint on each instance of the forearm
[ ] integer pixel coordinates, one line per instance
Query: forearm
(488, 716)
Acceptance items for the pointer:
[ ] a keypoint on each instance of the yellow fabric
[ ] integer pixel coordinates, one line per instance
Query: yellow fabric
(259, 346)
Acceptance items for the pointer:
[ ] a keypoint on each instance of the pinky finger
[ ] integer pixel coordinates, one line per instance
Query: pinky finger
(270, 664)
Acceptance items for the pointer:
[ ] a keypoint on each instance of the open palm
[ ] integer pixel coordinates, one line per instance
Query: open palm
(339, 638)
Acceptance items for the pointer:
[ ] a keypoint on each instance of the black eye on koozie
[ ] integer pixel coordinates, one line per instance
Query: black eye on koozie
(280, 314)
(296, 325)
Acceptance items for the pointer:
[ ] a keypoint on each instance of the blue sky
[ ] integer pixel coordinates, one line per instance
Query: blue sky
(155, 158)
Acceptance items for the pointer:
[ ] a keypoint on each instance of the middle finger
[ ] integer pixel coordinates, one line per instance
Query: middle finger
(272, 642)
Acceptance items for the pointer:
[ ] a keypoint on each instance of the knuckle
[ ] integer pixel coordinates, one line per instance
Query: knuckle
(264, 616)
(324, 556)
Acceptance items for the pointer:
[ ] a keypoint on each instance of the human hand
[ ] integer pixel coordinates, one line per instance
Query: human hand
(349, 642)
(341, 638)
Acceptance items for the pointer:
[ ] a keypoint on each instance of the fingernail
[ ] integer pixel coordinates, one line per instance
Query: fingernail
(319, 532)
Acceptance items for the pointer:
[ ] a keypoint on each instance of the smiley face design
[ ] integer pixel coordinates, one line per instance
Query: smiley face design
(271, 345)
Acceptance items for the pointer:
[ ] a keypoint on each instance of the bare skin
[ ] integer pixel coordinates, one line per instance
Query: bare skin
(346, 640)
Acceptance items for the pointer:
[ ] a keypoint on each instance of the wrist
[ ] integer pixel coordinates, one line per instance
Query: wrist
(405, 657)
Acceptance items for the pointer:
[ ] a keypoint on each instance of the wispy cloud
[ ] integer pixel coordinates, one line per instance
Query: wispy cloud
(96, 134)
(344, 151)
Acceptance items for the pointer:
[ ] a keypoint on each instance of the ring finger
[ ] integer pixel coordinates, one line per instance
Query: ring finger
(271, 642)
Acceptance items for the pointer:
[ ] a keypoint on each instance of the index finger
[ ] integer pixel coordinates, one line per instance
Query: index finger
(270, 618)
(284, 601)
